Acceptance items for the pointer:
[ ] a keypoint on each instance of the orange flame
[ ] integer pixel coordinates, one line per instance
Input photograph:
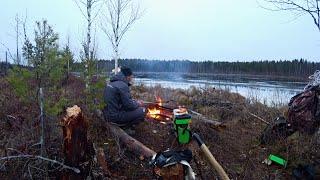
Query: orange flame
(154, 113)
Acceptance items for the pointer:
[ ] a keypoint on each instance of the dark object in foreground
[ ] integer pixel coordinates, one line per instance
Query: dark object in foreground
(173, 164)
(304, 172)
(171, 157)
(277, 130)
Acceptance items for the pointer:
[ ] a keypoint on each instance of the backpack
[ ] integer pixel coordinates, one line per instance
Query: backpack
(302, 112)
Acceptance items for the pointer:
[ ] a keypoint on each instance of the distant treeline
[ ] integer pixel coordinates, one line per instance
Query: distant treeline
(279, 68)
(301, 68)
(4, 67)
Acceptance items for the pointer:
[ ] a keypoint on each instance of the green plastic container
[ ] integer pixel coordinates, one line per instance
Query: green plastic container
(277, 160)
(182, 127)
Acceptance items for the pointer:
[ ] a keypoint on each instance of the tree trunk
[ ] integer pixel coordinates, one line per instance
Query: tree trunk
(42, 137)
(116, 60)
(88, 45)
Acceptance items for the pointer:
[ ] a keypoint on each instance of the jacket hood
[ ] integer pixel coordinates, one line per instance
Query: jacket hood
(119, 77)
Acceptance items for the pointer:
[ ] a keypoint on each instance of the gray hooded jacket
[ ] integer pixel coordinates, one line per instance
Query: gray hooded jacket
(118, 98)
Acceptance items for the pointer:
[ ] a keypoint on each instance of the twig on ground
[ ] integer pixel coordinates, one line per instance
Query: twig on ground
(11, 149)
(30, 174)
(258, 117)
(76, 170)
(10, 116)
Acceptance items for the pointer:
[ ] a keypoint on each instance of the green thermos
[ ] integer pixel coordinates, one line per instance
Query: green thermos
(182, 122)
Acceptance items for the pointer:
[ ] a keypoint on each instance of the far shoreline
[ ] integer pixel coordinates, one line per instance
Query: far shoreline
(224, 76)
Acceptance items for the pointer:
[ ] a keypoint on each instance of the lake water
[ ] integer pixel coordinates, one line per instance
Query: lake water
(270, 92)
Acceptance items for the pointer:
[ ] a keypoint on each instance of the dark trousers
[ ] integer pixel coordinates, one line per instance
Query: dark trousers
(129, 118)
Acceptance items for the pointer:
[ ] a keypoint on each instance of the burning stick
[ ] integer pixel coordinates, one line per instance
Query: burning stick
(157, 102)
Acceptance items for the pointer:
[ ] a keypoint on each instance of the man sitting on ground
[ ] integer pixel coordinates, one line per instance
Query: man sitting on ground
(120, 108)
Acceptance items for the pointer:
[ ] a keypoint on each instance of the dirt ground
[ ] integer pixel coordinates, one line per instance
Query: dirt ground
(236, 146)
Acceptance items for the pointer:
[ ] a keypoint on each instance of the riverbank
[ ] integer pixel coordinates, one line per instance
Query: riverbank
(236, 146)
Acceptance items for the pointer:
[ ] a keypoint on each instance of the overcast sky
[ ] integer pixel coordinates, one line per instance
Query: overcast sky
(227, 30)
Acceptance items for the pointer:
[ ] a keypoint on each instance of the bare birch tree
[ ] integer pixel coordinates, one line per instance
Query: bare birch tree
(17, 29)
(300, 7)
(118, 18)
(87, 8)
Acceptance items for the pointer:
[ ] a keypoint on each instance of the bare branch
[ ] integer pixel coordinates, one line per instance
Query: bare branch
(310, 7)
(81, 10)
(120, 16)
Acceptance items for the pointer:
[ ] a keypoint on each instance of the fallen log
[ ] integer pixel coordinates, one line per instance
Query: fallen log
(132, 144)
(199, 117)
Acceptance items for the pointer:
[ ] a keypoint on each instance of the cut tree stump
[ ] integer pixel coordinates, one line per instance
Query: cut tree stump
(76, 148)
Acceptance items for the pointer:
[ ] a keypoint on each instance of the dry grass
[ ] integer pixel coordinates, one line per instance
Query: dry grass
(236, 147)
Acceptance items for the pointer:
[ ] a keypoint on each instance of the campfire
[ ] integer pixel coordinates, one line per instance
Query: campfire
(156, 111)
